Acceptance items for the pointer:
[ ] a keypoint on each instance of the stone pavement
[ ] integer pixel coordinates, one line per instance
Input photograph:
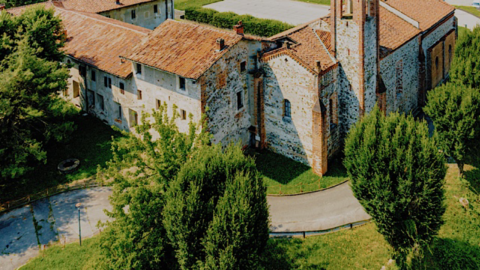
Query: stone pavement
(316, 211)
(295, 12)
(48, 220)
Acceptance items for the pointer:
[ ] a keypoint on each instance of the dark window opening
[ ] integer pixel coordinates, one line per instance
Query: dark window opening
(287, 108)
(122, 88)
(83, 71)
(101, 104)
(436, 62)
(158, 103)
(139, 69)
(183, 114)
(94, 76)
(239, 100)
(139, 94)
(450, 53)
(182, 83)
(243, 66)
(134, 15)
(105, 81)
(119, 115)
(110, 83)
(155, 9)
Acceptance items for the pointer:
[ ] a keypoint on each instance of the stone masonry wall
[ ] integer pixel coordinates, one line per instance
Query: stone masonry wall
(220, 85)
(286, 79)
(371, 58)
(404, 97)
(145, 17)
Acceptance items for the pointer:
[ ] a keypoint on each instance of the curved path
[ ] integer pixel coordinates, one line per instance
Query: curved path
(53, 219)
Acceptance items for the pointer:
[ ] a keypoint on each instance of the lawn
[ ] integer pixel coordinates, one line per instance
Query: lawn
(286, 176)
(320, 2)
(90, 143)
(457, 246)
(472, 10)
(184, 4)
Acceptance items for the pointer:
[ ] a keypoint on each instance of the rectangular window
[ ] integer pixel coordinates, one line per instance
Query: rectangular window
(101, 104)
(181, 83)
(155, 9)
(94, 76)
(139, 69)
(158, 103)
(91, 99)
(139, 94)
(239, 100)
(287, 108)
(110, 83)
(122, 88)
(105, 81)
(83, 71)
(119, 112)
(243, 66)
(183, 114)
(133, 118)
(134, 15)
(76, 89)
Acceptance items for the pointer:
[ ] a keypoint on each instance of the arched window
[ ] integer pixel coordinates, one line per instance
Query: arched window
(436, 62)
(287, 108)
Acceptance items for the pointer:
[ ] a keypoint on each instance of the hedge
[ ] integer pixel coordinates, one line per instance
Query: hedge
(254, 26)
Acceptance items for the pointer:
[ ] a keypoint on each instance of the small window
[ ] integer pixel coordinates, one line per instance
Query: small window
(239, 100)
(287, 108)
(139, 69)
(183, 114)
(158, 103)
(94, 76)
(155, 9)
(450, 53)
(139, 94)
(76, 89)
(181, 83)
(105, 81)
(134, 15)
(110, 83)
(69, 62)
(83, 71)
(101, 104)
(243, 66)
(119, 112)
(436, 62)
(122, 88)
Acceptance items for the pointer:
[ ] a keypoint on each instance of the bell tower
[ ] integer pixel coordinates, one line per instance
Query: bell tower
(355, 40)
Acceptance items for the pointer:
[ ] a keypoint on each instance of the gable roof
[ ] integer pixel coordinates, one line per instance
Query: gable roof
(426, 12)
(98, 6)
(182, 48)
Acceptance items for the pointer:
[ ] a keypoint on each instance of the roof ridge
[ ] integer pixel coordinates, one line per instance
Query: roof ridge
(323, 45)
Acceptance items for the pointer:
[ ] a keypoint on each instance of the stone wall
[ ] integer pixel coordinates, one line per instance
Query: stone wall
(286, 79)
(400, 73)
(221, 85)
(145, 16)
(371, 61)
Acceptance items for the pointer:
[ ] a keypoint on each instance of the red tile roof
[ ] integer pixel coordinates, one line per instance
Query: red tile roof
(182, 48)
(426, 12)
(97, 6)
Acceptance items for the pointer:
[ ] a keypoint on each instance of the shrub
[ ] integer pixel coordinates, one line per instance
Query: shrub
(254, 26)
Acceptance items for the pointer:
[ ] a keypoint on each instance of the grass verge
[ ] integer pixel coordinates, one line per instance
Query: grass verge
(184, 4)
(472, 10)
(286, 176)
(90, 143)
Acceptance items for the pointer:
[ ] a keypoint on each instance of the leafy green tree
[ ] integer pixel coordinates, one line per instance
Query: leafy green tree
(466, 63)
(18, 3)
(31, 113)
(216, 214)
(455, 111)
(397, 173)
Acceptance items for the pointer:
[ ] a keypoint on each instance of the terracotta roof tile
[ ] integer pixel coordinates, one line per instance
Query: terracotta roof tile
(182, 48)
(426, 12)
(394, 32)
(97, 6)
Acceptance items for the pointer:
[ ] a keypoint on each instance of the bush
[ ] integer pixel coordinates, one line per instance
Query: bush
(254, 26)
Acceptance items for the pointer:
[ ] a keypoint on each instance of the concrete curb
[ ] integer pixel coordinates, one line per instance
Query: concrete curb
(309, 192)
(304, 234)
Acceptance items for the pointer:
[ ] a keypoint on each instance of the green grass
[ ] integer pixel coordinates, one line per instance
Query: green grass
(462, 31)
(457, 246)
(472, 10)
(286, 176)
(90, 143)
(320, 2)
(184, 4)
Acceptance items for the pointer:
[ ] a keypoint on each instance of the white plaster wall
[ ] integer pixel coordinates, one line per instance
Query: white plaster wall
(408, 54)
(144, 14)
(286, 79)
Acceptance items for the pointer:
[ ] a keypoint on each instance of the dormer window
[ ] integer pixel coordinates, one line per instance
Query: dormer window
(139, 69)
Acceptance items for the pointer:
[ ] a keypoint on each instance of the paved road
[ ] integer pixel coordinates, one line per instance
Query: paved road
(295, 12)
(292, 12)
(316, 211)
(56, 218)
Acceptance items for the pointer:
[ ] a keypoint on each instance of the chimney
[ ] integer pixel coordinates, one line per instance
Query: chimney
(117, 2)
(319, 65)
(239, 28)
(220, 44)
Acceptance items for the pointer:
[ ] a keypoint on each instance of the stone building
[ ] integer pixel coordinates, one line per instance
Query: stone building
(296, 93)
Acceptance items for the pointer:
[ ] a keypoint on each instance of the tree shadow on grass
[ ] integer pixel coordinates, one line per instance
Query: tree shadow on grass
(450, 254)
(473, 175)
(286, 254)
(284, 170)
